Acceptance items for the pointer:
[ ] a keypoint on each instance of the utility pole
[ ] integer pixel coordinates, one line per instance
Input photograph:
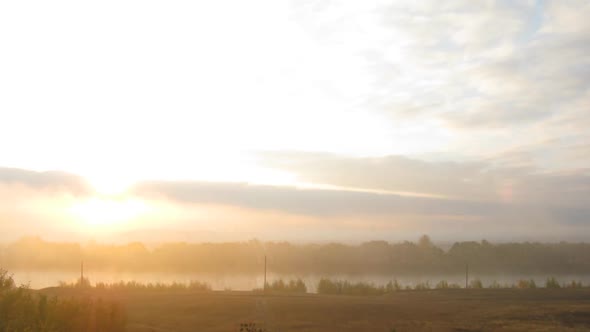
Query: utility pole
(264, 273)
(466, 276)
(81, 273)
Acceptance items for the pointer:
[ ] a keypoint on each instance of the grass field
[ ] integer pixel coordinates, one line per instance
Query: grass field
(433, 310)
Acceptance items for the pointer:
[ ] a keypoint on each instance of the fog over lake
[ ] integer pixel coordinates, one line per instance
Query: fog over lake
(42, 279)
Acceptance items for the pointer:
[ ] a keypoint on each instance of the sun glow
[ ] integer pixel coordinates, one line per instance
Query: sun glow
(108, 212)
(110, 185)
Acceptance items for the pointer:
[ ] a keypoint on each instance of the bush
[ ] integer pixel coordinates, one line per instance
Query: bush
(443, 284)
(495, 285)
(292, 286)
(134, 285)
(22, 310)
(393, 286)
(422, 286)
(327, 286)
(552, 283)
(523, 284)
(476, 284)
(574, 284)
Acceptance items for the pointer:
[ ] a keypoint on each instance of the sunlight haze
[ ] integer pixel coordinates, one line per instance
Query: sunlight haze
(295, 120)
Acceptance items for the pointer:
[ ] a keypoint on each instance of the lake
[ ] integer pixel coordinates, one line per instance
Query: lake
(37, 279)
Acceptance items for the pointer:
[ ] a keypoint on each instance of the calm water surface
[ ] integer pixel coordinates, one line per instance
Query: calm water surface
(42, 279)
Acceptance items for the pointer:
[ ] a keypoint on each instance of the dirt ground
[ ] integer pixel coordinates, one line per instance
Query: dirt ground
(434, 310)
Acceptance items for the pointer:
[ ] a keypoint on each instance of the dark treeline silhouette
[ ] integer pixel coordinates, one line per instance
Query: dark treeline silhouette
(248, 257)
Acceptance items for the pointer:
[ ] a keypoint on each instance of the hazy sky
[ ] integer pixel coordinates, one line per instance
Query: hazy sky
(300, 120)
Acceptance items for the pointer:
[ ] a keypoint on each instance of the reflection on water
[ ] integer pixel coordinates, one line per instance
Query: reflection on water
(42, 279)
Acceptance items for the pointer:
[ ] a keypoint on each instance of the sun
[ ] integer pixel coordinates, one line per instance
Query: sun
(110, 185)
(108, 213)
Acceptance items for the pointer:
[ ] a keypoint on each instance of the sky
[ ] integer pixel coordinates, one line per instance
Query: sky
(307, 120)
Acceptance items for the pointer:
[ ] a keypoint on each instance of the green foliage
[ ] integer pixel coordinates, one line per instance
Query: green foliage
(393, 286)
(327, 286)
(422, 286)
(80, 283)
(135, 286)
(524, 284)
(292, 286)
(552, 283)
(6, 281)
(343, 287)
(23, 310)
(421, 257)
(495, 285)
(443, 284)
(475, 283)
(425, 242)
(574, 284)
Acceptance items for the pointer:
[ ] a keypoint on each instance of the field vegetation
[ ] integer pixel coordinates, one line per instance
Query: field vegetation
(339, 305)
(138, 286)
(510, 309)
(291, 286)
(23, 310)
(343, 287)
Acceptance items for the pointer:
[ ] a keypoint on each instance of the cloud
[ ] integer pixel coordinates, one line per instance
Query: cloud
(477, 71)
(50, 180)
(284, 212)
(341, 213)
(485, 181)
(316, 202)
(393, 173)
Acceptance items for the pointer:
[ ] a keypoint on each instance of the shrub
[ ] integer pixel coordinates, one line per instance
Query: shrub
(134, 285)
(574, 284)
(292, 286)
(393, 286)
(523, 284)
(22, 310)
(552, 283)
(476, 284)
(495, 285)
(327, 286)
(443, 284)
(422, 286)
(6, 281)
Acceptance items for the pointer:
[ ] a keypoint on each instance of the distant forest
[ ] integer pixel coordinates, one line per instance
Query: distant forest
(377, 257)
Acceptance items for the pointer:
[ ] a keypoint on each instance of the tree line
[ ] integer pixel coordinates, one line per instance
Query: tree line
(408, 257)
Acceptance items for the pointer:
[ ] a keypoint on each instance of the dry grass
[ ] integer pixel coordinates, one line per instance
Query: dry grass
(431, 310)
